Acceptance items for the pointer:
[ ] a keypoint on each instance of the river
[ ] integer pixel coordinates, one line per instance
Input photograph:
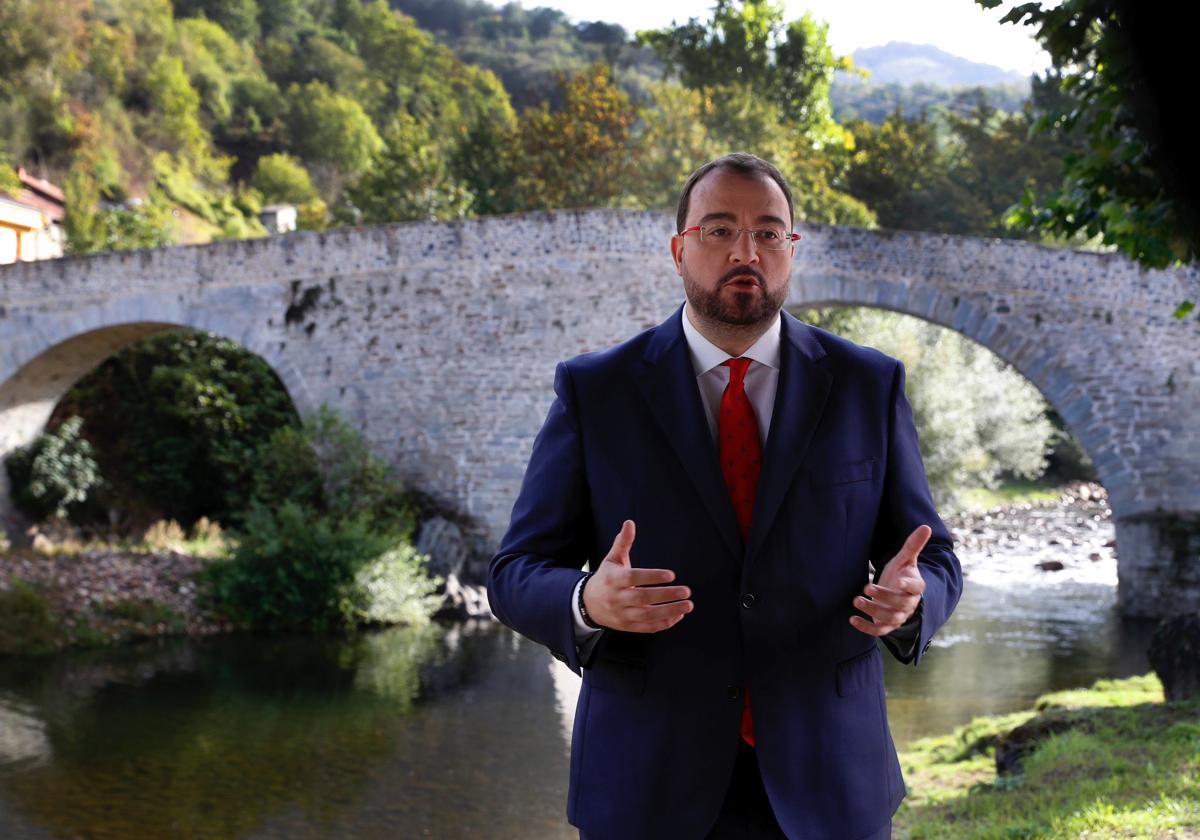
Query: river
(463, 730)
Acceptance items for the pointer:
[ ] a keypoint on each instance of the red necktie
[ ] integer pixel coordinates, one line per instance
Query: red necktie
(741, 461)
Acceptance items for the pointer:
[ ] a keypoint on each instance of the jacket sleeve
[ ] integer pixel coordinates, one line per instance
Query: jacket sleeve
(533, 575)
(907, 503)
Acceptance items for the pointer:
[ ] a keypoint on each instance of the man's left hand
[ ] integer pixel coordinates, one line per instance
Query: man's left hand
(891, 601)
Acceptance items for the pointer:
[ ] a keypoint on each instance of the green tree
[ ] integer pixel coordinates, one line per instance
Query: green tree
(324, 465)
(92, 226)
(410, 178)
(419, 76)
(284, 17)
(749, 44)
(901, 172)
(485, 165)
(212, 59)
(237, 17)
(673, 142)
(177, 125)
(953, 171)
(282, 178)
(326, 538)
(258, 111)
(330, 128)
(580, 155)
(765, 85)
(995, 161)
(10, 184)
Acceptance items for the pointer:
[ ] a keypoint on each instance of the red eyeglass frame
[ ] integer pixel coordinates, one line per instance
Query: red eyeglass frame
(791, 236)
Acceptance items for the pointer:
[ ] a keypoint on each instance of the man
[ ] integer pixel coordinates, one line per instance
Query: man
(731, 476)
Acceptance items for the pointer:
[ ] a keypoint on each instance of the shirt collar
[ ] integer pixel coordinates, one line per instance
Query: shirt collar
(706, 355)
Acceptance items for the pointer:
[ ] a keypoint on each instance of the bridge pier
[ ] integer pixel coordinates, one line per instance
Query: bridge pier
(1158, 572)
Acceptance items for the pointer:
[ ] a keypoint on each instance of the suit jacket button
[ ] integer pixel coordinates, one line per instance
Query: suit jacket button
(733, 691)
(928, 645)
(748, 600)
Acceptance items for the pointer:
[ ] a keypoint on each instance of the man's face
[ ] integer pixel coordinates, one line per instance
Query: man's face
(739, 284)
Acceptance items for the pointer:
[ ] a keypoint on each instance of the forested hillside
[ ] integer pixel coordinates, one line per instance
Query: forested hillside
(178, 121)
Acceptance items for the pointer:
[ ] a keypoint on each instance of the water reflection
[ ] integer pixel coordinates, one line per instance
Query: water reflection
(403, 733)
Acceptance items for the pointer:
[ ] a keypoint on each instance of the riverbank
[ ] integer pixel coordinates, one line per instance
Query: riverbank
(1109, 761)
(64, 592)
(98, 596)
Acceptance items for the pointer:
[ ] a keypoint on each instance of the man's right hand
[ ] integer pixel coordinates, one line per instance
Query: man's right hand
(621, 597)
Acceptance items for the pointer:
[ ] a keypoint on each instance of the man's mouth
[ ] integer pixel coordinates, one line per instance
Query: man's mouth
(743, 281)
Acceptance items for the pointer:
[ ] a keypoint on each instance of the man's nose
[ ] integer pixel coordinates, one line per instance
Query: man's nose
(745, 248)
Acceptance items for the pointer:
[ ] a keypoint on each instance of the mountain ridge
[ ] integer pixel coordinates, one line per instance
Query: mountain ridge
(906, 63)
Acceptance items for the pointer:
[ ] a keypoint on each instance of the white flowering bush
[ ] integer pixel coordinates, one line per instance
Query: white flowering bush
(396, 588)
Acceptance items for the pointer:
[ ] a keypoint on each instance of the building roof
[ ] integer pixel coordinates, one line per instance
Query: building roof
(40, 194)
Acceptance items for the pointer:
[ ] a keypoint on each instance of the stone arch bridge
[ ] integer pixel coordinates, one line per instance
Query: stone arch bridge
(439, 340)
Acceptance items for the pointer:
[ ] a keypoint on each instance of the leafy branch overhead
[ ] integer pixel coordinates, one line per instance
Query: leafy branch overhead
(1125, 184)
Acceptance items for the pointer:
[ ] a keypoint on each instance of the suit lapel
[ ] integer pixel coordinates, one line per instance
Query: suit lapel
(800, 400)
(667, 381)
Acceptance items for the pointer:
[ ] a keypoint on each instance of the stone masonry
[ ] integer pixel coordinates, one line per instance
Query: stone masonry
(439, 340)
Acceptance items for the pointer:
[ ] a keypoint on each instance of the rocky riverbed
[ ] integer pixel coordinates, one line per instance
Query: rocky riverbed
(122, 594)
(1072, 537)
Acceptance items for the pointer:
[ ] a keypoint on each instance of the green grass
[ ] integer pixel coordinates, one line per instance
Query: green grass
(1129, 768)
(27, 625)
(1008, 493)
(138, 617)
(31, 624)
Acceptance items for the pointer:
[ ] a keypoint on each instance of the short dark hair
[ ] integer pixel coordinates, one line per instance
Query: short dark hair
(742, 162)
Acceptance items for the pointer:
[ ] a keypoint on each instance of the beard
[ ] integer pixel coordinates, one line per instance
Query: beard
(735, 307)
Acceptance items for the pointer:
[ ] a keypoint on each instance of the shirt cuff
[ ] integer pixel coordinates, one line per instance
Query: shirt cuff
(903, 640)
(582, 630)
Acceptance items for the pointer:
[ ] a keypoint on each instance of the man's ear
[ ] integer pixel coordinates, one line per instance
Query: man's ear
(677, 253)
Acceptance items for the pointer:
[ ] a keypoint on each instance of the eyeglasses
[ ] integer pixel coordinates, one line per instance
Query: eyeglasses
(770, 239)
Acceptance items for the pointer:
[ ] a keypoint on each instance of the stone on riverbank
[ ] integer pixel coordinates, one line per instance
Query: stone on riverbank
(1175, 656)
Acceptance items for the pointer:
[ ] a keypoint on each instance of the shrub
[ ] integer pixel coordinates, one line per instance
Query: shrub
(326, 465)
(326, 542)
(282, 177)
(164, 534)
(396, 588)
(57, 470)
(26, 623)
(208, 536)
(295, 569)
(139, 617)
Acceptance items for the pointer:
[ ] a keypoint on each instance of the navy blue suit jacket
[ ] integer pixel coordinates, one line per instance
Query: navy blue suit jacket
(657, 724)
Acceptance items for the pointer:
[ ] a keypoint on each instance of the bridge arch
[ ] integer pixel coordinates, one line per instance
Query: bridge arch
(40, 370)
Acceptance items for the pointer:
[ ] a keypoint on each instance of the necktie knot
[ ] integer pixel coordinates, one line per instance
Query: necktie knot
(737, 369)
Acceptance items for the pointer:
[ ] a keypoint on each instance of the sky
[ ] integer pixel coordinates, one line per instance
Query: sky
(960, 27)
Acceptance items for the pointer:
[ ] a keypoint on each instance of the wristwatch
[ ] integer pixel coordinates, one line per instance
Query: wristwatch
(583, 613)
